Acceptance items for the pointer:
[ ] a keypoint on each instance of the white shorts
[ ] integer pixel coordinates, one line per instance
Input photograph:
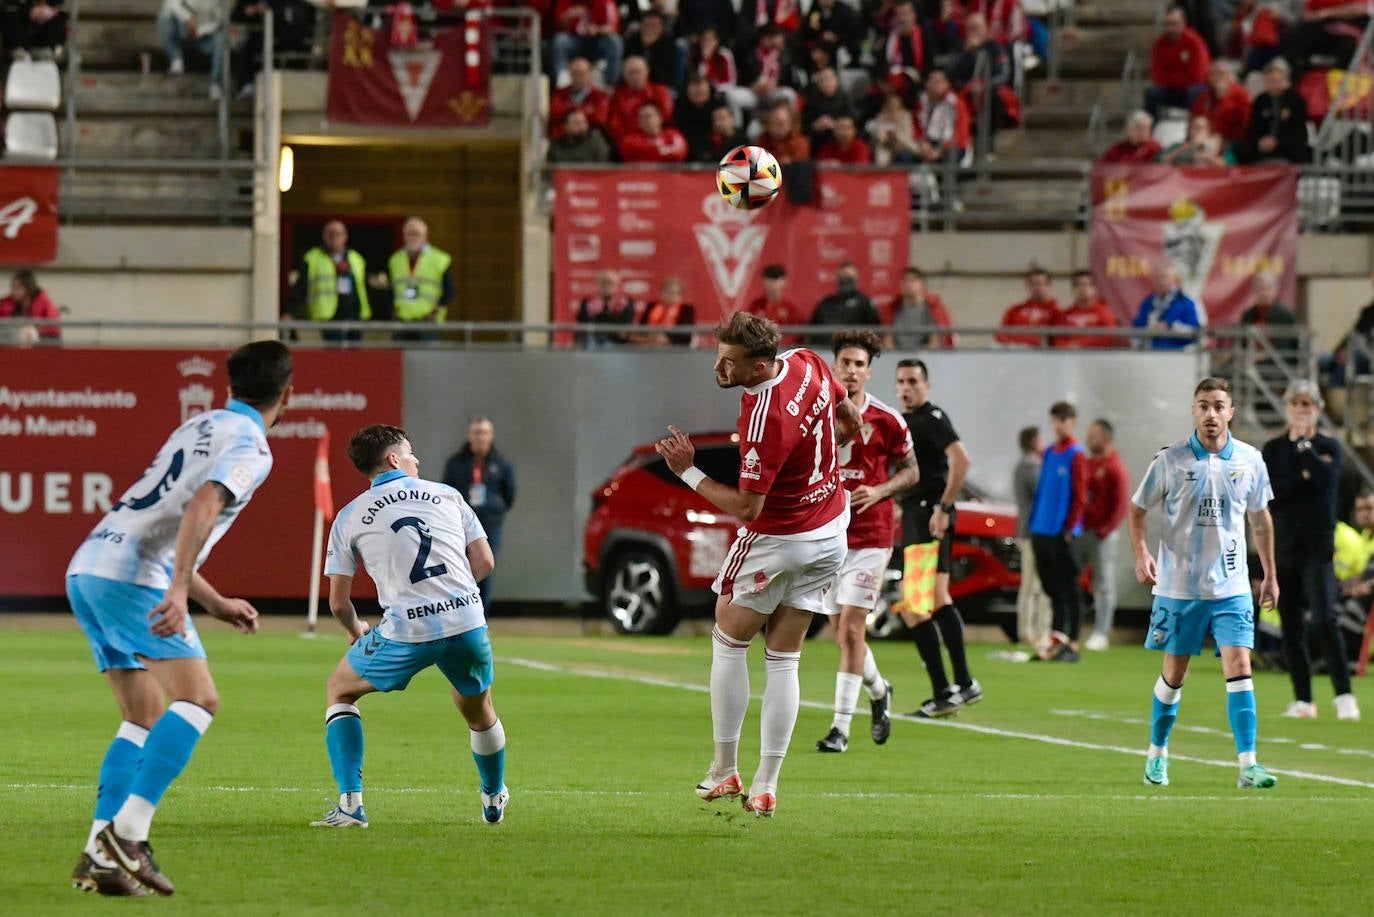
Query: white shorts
(762, 572)
(860, 580)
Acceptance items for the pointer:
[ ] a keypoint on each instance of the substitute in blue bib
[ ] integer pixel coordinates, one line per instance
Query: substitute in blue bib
(1206, 485)
(425, 550)
(129, 584)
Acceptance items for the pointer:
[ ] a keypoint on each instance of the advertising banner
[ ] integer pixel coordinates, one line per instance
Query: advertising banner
(28, 214)
(392, 76)
(1219, 226)
(77, 427)
(650, 224)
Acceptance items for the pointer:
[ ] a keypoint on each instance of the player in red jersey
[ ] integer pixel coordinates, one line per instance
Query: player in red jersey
(795, 512)
(865, 462)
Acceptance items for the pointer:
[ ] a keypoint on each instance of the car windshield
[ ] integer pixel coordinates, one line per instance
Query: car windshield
(720, 463)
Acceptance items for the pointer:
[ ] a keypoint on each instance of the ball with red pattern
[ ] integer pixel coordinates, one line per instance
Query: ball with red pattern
(749, 177)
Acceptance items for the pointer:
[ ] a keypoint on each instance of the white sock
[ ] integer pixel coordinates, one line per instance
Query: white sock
(873, 679)
(729, 700)
(847, 687)
(781, 700)
(93, 849)
(1159, 751)
(489, 741)
(1246, 758)
(351, 802)
(135, 818)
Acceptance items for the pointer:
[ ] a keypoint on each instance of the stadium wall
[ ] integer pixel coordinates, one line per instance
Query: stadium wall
(567, 420)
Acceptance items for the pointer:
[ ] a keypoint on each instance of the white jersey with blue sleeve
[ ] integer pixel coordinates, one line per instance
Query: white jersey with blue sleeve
(135, 542)
(412, 537)
(1205, 497)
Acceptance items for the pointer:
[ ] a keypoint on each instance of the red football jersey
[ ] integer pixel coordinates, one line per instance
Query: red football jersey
(866, 459)
(787, 447)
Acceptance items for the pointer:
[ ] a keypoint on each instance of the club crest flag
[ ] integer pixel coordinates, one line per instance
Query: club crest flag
(1220, 227)
(401, 77)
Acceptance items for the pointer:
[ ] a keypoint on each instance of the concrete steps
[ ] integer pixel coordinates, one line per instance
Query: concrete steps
(145, 138)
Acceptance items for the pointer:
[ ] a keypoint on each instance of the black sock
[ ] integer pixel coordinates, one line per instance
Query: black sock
(927, 638)
(952, 630)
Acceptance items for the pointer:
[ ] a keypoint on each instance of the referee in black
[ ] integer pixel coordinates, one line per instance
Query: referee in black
(928, 515)
(1305, 470)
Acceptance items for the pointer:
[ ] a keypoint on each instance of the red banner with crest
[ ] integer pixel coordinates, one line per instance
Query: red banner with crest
(403, 75)
(1220, 227)
(647, 224)
(77, 427)
(28, 214)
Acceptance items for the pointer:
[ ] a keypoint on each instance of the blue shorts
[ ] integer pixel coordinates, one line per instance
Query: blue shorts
(114, 616)
(389, 665)
(1178, 626)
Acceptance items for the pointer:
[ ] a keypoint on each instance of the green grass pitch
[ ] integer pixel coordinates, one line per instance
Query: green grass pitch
(1030, 802)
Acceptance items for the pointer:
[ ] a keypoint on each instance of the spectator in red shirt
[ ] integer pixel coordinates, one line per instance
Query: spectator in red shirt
(845, 146)
(782, 137)
(1038, 310)
(634, 91)
(902, 54)
(1225, 103)
(1088, 310)
(28, 300)
(1178, 65)
(942, 121)
(1109, 494)
(581, 92)
(591, 29)
(1328, 27)
(774, 304)
(1139, 145)
(653, 142)
(914, 316)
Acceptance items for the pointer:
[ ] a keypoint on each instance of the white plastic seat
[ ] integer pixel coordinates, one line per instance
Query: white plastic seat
(1171, 131)
(33, 84)
(30, 135)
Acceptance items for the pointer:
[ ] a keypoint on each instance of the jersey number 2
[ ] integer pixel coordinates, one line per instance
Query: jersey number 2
(418, 570)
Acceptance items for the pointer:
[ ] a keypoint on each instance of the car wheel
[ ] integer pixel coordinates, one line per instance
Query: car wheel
(638, 594)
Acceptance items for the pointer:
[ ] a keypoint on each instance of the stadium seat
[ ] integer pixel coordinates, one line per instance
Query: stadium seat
(33, 84)
(1319, 200)
(30, 135)
(1169, 131)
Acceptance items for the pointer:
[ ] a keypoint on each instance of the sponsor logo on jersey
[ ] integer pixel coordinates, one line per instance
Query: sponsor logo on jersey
(752, 466)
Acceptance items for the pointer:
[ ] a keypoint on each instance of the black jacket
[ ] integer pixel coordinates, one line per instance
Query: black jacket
(1284, 118)
(1305, 475)
(498, 481)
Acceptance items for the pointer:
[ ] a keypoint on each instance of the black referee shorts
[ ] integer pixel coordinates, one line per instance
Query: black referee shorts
(916, 530)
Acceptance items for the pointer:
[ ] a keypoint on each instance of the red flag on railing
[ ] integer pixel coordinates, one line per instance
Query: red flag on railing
(324, 493)
(403, 31)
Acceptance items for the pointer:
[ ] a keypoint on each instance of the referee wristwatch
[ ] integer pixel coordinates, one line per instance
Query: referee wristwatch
(947, 508)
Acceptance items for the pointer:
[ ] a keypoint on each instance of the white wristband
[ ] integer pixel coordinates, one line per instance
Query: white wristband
(693, 477)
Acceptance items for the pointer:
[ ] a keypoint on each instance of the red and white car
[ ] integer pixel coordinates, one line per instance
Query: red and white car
(652, 546)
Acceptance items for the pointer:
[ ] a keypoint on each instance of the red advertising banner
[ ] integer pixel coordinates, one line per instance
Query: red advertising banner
(79, 426)
(648, 224)
(28, 214)
(390, 76)
(1219, 226)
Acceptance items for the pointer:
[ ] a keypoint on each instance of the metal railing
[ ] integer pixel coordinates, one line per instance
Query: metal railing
(1347, 133)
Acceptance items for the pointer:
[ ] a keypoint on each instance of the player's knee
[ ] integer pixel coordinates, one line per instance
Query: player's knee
(206, 698)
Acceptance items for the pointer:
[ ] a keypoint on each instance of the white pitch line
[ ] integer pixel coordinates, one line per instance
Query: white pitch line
(672, 794)
(947, 722)
(1208, 730)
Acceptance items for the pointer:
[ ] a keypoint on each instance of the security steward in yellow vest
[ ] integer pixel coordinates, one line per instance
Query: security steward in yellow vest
(421, 288)
(332, 284)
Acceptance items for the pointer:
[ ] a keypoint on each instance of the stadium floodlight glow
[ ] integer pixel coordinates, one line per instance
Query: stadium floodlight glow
(286, 169)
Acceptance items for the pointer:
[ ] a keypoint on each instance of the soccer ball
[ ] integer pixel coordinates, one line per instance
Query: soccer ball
(749, 177)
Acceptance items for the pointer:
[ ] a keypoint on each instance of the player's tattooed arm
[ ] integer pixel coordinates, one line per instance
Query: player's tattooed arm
(908, 474)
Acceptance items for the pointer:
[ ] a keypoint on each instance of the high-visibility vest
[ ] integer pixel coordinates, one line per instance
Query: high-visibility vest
(1353, 551)
(322, 285)
(416, 293)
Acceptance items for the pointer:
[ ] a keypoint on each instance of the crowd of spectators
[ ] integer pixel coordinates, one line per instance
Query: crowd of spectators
(897, 81)
(198, 27)
(1283, 48)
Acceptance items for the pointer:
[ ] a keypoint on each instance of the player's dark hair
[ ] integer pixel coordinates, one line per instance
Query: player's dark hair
(368, 447)
(861, 338)
(774, 271)
(259, 372)
(1062, 410)
(1212, 384)
(1077, 274)
(1026, 438)
(757, 335)
(1106, 424)
(1365, 493)
(913, 363)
